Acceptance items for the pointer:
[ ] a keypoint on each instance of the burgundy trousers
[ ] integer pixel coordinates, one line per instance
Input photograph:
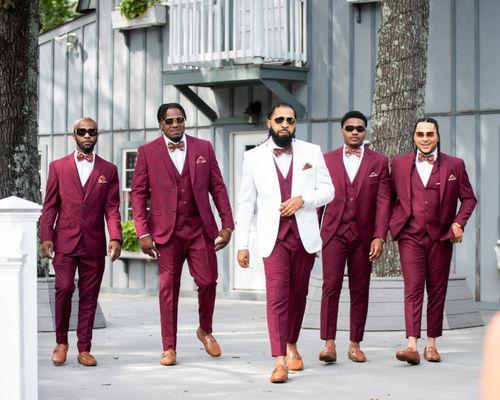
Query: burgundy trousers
(90, 272)
(199, 250)
(287, 270)
(425, 263)
(338, 250)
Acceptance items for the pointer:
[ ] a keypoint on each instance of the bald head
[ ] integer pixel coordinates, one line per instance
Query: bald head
(85, 134)
(84, 121)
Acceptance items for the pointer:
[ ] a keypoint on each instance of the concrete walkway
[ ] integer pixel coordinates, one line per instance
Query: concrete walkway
(128, 353)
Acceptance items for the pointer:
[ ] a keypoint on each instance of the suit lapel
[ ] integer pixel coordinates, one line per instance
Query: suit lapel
(163, 154)
(408, 163)
(297, 165)
(339, 171)
(191, 157)
(74, 174)
(268, 163)
(443, 173)
(96, 172)
(363, 169)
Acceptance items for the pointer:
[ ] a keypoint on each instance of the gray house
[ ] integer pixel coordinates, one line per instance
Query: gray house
(222, 59)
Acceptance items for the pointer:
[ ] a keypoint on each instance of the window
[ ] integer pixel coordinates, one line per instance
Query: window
(128, 163)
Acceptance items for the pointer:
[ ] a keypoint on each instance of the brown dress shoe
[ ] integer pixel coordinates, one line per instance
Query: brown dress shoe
(279, 374)
(294, 361)
(356, 354)
(431, 354)
(59, 354)
(168, 357)
(409, 355)
(209, 342)
(86, 359)
(328, 354)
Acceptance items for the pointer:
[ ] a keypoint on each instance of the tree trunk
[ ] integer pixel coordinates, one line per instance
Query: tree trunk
(18, 99)
(399, 90)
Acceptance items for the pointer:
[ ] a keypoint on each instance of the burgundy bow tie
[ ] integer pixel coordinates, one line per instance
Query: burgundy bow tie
(429, 158)
(349, 152)
(172, 146)
(82, 156)
(278, 151)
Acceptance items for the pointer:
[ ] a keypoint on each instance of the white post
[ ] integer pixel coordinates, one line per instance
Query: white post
(18, 298)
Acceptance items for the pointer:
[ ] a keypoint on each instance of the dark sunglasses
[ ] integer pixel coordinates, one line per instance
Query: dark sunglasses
(289, 120)
(170, 121)
(82, 132)
(350, 128)
(424, 134)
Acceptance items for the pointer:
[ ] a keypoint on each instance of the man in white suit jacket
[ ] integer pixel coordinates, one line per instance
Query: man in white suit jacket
(287, 180)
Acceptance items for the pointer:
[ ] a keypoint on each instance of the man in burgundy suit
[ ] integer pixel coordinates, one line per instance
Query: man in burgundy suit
(354, 228)
(177, 172)
(82, 192)
(425, 222)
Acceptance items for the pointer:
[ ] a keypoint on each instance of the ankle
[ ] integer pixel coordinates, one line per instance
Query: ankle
(354, 345)
(330, 343)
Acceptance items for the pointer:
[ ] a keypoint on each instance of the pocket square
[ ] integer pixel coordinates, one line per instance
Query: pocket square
(102, 179)
(373, 175)
(306, 166)
(452, 178)
(201, 160)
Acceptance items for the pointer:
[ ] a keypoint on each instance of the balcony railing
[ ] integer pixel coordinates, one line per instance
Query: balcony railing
(218, 32)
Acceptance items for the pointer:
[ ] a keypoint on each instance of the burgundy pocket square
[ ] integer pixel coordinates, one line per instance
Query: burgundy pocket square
(102, 179)
(307, 166)
(201, 160)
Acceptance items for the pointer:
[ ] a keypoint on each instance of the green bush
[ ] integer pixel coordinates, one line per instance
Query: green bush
(131, 9)
(130, 241)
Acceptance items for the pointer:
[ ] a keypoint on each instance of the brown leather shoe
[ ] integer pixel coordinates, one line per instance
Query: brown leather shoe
(86, 359)
(431, 354)
(209, 342)
(328, 354)
(409, 355)
(356, 354)
(294, 361)
(168, 357)
(59, 354)
(279, 374)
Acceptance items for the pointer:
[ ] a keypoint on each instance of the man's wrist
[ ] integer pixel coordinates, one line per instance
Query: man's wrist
(457, 225)
(228, 229)
(143, 236)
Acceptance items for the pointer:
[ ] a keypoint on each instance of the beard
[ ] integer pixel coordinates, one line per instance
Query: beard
(86, 150)
(281, 141)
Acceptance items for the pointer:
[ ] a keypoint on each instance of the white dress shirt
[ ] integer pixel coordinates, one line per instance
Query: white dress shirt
(84, 168)
(424, 168)
(352, 162)
(177, 156)
(283, 161)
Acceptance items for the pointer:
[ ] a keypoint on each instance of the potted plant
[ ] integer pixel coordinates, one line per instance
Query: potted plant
(130, 246)
(135, 14)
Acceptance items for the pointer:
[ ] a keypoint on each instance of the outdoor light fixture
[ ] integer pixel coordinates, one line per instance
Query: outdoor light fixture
(70, 40)
(252, 113)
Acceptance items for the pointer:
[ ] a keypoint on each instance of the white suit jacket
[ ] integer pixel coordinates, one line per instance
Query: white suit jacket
(260, 187)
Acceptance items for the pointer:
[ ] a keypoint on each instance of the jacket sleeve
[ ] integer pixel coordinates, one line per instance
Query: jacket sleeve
(140, 194)
(384, 202)
(467, 198)
(324, 191)
(112, 208)
(246, 206)
(50, 205)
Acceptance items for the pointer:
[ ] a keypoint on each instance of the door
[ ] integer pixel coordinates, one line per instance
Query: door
(251, 278)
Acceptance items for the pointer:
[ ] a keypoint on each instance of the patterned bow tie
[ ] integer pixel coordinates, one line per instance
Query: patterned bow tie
(349, 152)
(82, 156)
(429, 158)
(278, 151)
(172, 146)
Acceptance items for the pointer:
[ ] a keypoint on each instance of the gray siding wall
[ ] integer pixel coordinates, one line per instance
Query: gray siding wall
(116, 78)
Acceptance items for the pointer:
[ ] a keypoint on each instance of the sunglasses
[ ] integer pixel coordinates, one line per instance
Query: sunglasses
(82, 132)
(351, 128)
(170, 121)
(425, 134)
(289, 120)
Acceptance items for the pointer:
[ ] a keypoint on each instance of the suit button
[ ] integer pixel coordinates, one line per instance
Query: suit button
(84, 205)
(183, 190)
(184, 202)
(340, 219)
(173, 210)
(172, 190)
(426, 202)
(83, 221)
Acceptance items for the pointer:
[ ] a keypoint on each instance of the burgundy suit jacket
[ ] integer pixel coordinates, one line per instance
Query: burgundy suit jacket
(453, 185)
(373, 196)
(69, 212)
(154, 180)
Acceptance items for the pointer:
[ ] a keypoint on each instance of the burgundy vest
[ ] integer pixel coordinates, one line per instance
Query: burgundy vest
(348, 218)
(80, 250)
(425, 206)
(286, 223)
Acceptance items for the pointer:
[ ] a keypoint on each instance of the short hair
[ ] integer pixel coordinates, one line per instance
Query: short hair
(167, 106)
(282, 104)
(353, 114)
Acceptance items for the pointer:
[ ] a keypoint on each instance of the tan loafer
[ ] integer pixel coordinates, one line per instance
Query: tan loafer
(59, 354)
(294, 361)
(431, 354)
(211, 346)
(168, 357)
(86, 359)
(356, 354)
(279, 374)
(409, 355)
(328, 354)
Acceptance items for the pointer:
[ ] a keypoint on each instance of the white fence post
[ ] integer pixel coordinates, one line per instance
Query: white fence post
(18, 298)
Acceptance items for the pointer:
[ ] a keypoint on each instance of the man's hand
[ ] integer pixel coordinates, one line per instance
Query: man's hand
(376, 249)
(114, 249)
(225, 237)
(243, 257)
(48, 249)
(458, 233)
(291, 206)
(148, 247)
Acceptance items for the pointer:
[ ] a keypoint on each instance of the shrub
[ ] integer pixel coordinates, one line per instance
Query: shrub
(130, 241)
(131, 9)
